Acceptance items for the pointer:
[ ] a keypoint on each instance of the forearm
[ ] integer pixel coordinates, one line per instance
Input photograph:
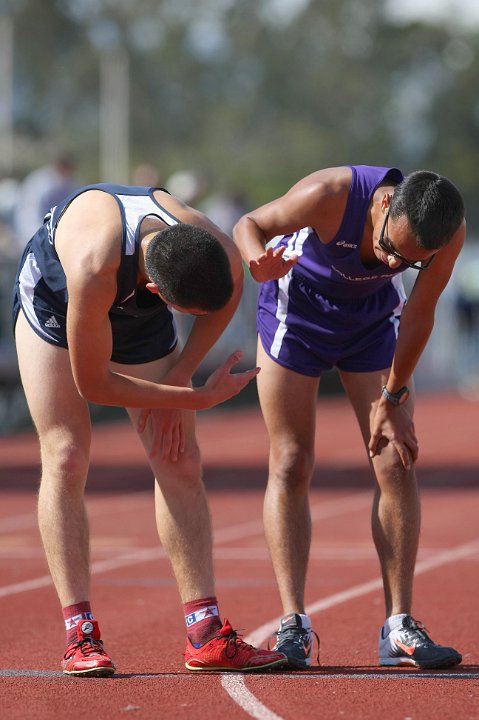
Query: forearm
(206, 330)
(249, 238)
(125, 391)
(412, 339)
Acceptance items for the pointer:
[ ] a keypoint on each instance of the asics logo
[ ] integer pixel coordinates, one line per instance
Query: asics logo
(408, 649)
(343, 243)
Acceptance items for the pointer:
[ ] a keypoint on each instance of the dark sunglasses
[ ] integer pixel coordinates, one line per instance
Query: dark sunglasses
(416, 265)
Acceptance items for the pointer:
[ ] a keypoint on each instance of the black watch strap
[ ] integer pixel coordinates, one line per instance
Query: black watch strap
(398, 397)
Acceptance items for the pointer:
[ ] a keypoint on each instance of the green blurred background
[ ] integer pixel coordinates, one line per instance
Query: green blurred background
(229, 102)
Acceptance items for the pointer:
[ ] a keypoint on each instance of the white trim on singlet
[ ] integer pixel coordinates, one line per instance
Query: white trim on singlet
(137, 207)
(294, 246)
(30, 276)
(395, 317)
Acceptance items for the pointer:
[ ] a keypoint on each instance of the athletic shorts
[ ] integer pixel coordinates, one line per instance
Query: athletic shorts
(136, 339)
(309, 333)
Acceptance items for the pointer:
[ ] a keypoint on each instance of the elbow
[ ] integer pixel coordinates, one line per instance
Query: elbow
(90, 391)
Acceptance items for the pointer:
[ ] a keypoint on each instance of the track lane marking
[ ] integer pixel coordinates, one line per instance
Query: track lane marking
(246, 529)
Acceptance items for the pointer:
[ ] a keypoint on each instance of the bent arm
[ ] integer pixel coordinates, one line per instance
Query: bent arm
(91, 294)
(315, 201)
(417, 319)
(207, 329)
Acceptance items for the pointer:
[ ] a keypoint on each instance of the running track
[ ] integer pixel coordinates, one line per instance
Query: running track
(136, 601)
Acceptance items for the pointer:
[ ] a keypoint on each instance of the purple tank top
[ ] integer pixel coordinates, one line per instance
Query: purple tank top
(336, 268)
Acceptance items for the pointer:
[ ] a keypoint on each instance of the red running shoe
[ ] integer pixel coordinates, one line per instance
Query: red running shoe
(85, 657)
(226, 651)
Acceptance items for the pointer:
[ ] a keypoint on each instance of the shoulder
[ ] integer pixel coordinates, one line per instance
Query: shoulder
(89, 233)
(328, 182)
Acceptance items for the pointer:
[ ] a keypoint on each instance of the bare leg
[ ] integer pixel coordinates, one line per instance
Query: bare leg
(62, 421)
(396, 509)
(288, 403)
(182, 513)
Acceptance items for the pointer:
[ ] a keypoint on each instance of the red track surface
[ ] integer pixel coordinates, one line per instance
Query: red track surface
(136, 601)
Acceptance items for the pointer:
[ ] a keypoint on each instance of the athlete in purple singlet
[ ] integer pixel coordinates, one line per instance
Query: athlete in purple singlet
(329, 256)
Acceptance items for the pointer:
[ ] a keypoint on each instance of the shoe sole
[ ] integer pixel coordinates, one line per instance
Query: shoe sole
(93, 672)
(294, 664)
(450, 661)
(269, 666)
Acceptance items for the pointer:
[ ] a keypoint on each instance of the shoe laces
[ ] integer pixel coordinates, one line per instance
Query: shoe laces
(87, 646)
(415, 630)
(295, 634)
(233, 643)
(298, 636)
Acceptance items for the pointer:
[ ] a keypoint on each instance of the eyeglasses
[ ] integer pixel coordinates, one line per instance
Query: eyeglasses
(386, 246)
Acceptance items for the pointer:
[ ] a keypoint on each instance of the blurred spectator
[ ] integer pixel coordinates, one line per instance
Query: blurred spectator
(187, 185)
(8, 197)
(42, 189)
(225, 208)
(467, 305)
(147, 175)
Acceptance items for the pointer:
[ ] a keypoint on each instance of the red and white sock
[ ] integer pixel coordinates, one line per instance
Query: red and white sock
(202, 619)
(72, 614)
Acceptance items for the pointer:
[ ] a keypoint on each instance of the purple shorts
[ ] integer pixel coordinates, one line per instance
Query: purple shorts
(309, 333)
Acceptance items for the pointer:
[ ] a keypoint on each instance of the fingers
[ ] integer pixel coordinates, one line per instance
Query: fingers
(232, 360)
(408, 452)
(271, 265)
(404, 454)
(373, 444)
(167, 434)
(142, 420)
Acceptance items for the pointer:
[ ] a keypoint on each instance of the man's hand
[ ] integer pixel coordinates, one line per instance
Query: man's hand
(222, 385)
(167, 435)
(396, 425)
(270, 265)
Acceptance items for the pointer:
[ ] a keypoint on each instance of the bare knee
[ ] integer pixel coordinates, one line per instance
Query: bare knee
(186, 470)
(391, 475)
(64, 462)
(291, 466)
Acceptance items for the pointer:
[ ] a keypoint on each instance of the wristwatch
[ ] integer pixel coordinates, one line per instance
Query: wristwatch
(398, 397)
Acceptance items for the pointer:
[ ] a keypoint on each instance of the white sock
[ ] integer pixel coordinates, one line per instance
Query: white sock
(305, 621)
(392, 623)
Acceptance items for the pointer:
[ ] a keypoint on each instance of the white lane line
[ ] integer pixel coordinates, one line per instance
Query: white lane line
(410, 674)
(101, 566)
(237, 690)
(235, 686)
(319, 511)
(246, 529)
(120, 503)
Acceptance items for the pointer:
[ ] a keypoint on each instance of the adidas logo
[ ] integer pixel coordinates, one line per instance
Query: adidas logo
(52, 322)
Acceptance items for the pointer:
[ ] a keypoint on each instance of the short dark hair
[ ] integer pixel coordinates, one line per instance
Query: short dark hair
(433, 206)
(190, 267)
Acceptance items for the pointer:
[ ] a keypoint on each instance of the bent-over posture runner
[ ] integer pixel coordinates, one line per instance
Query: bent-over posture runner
(329, 256)
(92, 323)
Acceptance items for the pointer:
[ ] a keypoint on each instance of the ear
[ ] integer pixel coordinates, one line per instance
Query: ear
(386, 201)
(153, 288)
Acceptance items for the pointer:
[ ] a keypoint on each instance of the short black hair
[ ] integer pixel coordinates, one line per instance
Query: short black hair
(433, 206)
(190, 267)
